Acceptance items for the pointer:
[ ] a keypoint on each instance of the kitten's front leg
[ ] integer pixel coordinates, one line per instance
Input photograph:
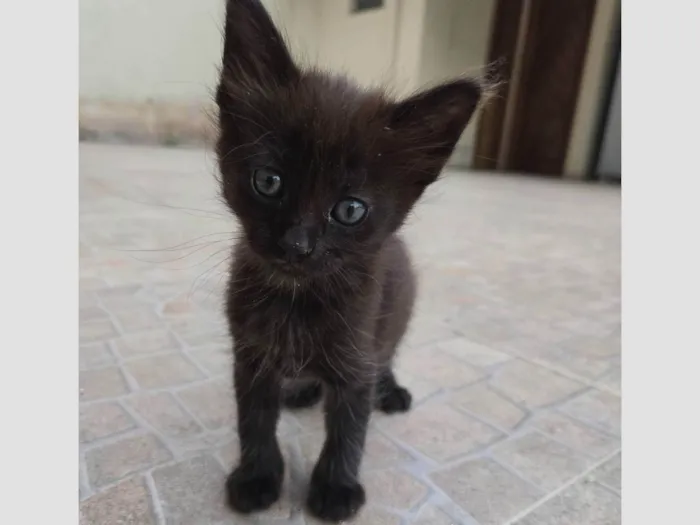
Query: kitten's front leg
(335, 493)
(257, 481)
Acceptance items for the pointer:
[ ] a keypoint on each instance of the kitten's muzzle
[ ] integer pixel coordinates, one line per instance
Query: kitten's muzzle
(298, 242)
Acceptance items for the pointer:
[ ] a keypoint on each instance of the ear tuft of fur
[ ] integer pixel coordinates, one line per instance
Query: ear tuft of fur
(492, 81)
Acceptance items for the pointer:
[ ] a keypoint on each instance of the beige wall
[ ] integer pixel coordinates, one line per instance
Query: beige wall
(298, 20)
(135, 50)
(456, 38)
(150, 58)
(376, 47)
(359, 44)
(170, 49)
(167, 50)
(409, 43)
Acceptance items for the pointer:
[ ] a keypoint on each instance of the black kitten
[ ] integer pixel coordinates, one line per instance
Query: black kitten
(321, 175)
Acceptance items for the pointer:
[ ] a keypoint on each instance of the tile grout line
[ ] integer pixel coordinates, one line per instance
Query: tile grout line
(174, 395)
(149, 428)
(588, 423)
(608, 488)
(578, 452)
(156, 505)
(173, 389)
(562, 488)
(85, 481)
(515, 472)
(593, 383)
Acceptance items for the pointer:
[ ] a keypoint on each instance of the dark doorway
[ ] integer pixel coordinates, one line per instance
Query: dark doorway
(544, 45)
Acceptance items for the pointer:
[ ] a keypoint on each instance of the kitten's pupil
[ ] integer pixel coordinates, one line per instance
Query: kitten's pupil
(349, 211)
(267, 183)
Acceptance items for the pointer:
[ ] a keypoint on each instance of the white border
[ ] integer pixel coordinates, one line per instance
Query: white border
(39, 261)
(661, 262)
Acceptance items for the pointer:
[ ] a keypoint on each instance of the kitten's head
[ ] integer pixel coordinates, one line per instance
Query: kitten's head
(318, 171)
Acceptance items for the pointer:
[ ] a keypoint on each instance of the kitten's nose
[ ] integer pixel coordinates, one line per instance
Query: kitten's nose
(297, 242)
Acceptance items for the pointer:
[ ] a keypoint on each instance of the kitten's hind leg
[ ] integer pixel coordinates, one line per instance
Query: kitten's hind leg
(299, 394)
(391, 397)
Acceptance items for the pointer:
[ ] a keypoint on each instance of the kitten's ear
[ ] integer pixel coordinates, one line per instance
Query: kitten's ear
(428, 125)
(254, 54)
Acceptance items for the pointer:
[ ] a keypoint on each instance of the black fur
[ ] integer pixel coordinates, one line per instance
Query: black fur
(317, 308)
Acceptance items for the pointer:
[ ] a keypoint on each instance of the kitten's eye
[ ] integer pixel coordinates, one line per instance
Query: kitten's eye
(267, 183)
(349, 211)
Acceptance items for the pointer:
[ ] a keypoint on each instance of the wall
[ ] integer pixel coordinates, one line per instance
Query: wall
(136, 50)
(169, 50)
(376, 48)
(148, 68)
(456, 39)
(359, 44)
(409, 43)
(166, 50)
(299, 23)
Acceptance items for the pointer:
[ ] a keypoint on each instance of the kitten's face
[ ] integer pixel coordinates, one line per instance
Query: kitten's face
(308, 183)
(319, 172)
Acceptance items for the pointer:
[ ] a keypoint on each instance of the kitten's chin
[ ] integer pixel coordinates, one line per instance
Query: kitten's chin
(284, 272)
(284, 275)
(291, 270)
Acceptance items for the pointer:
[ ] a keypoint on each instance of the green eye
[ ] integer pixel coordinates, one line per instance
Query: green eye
(349, 211)
(267, 183)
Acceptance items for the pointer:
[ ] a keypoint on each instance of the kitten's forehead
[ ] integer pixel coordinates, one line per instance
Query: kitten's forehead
(319, 131)
(338, 117)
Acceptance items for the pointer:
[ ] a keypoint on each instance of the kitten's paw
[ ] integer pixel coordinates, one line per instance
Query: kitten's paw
(333, 502)
(398, 399)
(248, 492)
(306, 396)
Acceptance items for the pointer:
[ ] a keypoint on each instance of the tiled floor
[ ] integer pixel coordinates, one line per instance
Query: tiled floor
(513, 357)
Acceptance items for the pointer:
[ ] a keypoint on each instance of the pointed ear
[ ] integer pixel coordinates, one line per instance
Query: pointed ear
(427, 126)
(254, 54)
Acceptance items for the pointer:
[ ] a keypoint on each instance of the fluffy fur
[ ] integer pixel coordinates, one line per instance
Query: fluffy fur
(317, 308)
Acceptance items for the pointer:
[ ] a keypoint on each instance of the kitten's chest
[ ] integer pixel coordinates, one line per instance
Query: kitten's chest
(294, 328)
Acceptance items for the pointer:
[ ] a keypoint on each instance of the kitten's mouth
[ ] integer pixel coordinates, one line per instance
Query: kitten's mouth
(290, 268)
(289, 275)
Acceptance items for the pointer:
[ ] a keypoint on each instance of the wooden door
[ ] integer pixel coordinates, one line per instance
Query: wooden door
(529, 130)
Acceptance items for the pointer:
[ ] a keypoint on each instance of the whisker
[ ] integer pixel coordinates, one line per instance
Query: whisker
(182, 245)
(208, 258)
(208, 214)
(164, 261)
(204, 276)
